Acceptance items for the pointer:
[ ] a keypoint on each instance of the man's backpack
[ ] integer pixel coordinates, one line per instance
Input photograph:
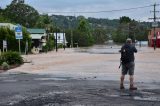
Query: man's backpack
(126, 54)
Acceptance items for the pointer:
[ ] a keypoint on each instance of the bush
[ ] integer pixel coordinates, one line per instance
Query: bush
(45, 48)
(1, 61)
(12, 43)
(5, 66)
(12, 58)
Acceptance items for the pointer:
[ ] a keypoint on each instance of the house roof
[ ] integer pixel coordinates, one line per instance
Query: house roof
(36, 31)
(37, 36)
(9, 25)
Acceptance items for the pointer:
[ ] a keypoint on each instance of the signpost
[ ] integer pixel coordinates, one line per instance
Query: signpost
(19, 35)
(4, 45)
(26, 48)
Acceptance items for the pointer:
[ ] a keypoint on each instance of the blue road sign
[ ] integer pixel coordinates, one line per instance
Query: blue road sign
(18, 32)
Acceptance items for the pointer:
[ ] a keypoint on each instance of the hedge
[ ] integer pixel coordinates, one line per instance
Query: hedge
(11, 58)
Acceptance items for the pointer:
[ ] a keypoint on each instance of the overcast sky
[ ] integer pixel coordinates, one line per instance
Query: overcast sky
(51, 6)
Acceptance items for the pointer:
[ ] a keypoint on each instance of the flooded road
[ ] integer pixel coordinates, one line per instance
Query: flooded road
(81, 77)
(100, 61)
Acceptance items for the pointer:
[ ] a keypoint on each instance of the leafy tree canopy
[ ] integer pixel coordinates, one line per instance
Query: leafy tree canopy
(21, 13)
(125, 19)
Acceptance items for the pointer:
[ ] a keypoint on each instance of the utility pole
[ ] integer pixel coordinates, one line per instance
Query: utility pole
(70, 27)
(64, 38)
(155, 24)
(56, 38)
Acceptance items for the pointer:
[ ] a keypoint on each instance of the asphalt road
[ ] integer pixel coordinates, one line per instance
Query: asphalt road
(21, 89)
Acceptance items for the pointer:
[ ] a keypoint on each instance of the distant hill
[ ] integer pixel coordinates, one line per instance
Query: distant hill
(72, 21)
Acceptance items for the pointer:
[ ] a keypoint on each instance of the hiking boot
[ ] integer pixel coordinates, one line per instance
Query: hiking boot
(133, 88)
(122, 87)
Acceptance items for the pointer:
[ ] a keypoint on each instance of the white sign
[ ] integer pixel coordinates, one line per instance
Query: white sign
(4, 44)
(18, 32)
(60, 38)
(155, 24)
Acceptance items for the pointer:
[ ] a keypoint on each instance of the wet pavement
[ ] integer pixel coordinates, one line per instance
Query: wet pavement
(21, 89)
(81, 77)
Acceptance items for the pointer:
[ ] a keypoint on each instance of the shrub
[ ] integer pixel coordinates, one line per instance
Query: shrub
(60, 45)
(45, 48)
(1, 61)
(5, 66)
(12, 58)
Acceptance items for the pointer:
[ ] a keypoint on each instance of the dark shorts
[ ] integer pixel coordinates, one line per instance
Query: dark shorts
(128, 68)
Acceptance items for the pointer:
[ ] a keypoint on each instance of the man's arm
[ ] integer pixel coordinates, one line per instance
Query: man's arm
(121, 49)
(135, 50)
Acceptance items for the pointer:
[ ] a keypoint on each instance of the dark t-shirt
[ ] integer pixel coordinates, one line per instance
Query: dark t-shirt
(130, 51)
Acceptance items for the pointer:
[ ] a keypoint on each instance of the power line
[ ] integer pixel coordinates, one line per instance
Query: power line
(126, 9)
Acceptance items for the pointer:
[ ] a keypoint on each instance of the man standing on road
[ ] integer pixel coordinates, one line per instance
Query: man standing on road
(127, 61)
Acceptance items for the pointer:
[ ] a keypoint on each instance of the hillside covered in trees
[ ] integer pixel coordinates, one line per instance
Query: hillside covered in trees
(105, 29)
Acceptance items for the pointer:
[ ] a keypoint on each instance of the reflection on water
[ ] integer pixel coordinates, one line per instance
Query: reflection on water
(111, 49)
(100, 49)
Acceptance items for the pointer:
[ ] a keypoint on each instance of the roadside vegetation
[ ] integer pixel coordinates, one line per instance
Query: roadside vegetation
(12, 43)
(10, 60)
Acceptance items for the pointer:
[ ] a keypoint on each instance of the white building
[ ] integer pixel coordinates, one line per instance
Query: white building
(38, 37)
(8, 25)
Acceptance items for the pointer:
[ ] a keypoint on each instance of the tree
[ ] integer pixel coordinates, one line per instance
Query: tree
(124, 19)
(83, 25)
(100, 35)
(12, 43)
(85, 37)
(81, 38)
(1, 11)
(119, 36)
(21, 13)
(2, 18)
(123, 30)
(44, 21)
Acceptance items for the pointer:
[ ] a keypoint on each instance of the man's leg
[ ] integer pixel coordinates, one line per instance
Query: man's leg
(132, 87)
(131, 78)
(122, 82)
(124, 72)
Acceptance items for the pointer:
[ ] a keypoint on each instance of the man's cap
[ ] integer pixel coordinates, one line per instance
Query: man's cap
(129, 40)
